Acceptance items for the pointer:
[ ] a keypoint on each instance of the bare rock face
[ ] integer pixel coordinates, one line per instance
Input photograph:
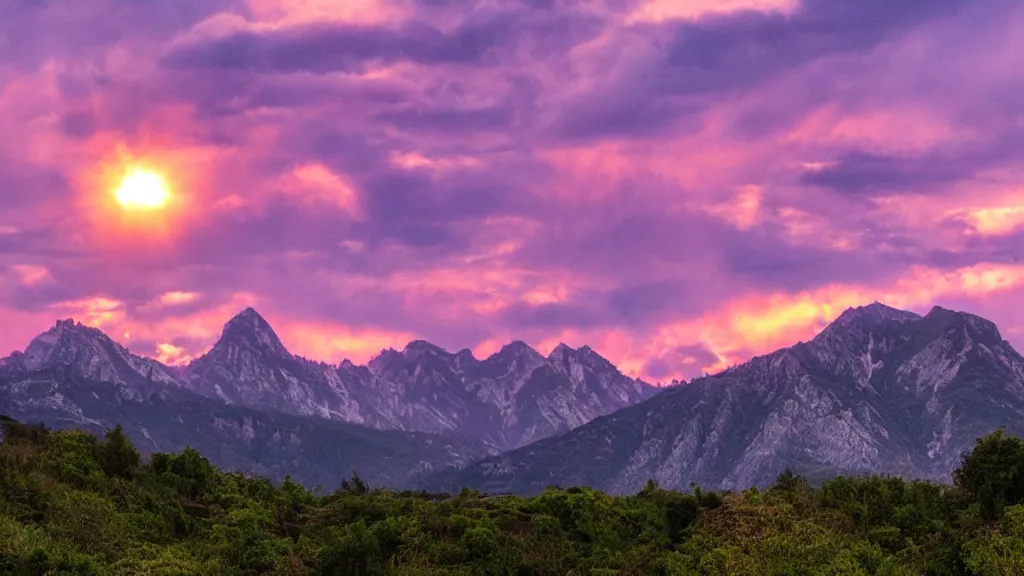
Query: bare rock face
(75, 376)
(879, 390)
(507, 400)
(260, 407)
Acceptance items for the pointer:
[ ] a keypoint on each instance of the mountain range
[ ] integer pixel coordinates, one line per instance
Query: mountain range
(879, 390)
(255, 406)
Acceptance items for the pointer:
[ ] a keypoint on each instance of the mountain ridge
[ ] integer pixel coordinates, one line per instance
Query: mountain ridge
(310, 450)
(879, 390)
(508, 399)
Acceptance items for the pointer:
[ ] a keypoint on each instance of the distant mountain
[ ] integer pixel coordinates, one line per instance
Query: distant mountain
(89, 353)
(168, 419)
(879, 390)
(507, 400)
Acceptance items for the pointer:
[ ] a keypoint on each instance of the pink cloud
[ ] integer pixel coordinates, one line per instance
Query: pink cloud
(678, 185)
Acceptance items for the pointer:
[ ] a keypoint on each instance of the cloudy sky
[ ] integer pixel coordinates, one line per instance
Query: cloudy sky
(680, 184)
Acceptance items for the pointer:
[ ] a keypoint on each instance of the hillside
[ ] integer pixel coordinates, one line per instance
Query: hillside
(72, 505)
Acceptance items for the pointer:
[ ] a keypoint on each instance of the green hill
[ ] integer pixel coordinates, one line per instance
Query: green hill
(73, 504)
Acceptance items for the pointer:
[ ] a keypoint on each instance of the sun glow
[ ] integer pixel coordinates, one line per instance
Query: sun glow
(142, 189)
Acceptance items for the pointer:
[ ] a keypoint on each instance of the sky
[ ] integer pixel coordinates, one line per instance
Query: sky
(678, 184)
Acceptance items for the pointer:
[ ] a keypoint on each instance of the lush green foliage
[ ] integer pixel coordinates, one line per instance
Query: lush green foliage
(71, 504)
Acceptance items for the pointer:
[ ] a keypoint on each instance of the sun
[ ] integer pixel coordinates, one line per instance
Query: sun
(144, 190)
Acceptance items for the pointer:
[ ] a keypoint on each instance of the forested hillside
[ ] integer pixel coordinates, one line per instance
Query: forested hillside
(72, 504)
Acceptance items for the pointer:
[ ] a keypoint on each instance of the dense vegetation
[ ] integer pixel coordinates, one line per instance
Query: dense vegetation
(71, 504)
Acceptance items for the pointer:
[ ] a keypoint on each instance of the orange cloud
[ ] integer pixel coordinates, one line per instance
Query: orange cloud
(996, 221)
(172, 355)
(758, 324)
(99, 311)
(178, 298)
(331, 342)
(201, 327)
(487, 347)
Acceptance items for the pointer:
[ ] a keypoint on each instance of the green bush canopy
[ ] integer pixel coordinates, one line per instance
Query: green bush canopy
(73, 504)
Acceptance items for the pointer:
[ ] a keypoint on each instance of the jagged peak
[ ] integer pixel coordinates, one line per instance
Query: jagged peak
(981, 326)
(867, 316)
(424, 346)
(71, 327)
(386, 358)
(66, 334)
(517, 347)
(584, 354)
(586, 351)
(561, 350)
(940, 312)
(249, 326)
(876, 311)
(564, 349)
(248, 316)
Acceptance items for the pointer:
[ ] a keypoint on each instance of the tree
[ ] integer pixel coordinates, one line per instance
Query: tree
(992, 475)
(117, 456)
(355, 485)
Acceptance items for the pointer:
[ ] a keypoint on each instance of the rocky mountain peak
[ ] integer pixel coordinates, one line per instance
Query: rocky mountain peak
(61, 343)
(465, 357)
(976, 327)
(419, 348)
(564, 356)
(90, 353)
(386, 360)
(510, 398)
(518, 349)
(593, 359)
(880, 391)
(561, 351)
(250, 330)
(855, 323)
(873, 314)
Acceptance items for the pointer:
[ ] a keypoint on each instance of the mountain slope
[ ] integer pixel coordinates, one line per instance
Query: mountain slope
(91, 354)
(509, 399)
(879, 390)
(313, 451)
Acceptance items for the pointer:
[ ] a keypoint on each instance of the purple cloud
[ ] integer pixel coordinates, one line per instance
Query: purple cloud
(546, 170)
